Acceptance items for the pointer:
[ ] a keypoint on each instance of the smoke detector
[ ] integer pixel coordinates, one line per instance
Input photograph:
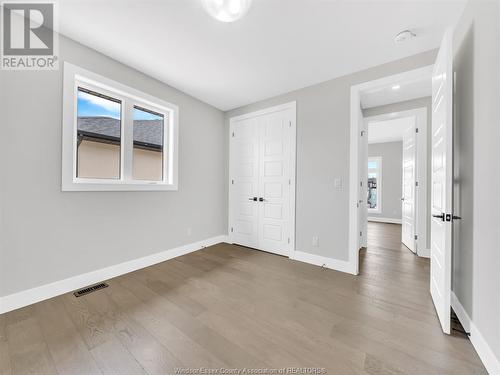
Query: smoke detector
(403, 36)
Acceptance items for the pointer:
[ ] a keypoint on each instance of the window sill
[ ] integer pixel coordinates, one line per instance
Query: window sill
(119, 186)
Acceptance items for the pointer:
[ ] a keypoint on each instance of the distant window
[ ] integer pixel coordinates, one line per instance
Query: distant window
(374, 185)
(115, 137)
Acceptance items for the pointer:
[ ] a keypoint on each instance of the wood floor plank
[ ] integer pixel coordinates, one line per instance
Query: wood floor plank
(227, 351)
(90, 325)
(5, 365)
(28, 350)
(155, 321)
(65, 344)
(146, 350)
(113, 359)
(227, 306)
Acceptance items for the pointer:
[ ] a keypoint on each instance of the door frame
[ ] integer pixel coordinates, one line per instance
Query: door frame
(422, 205)
(356, 121)
(293, 163)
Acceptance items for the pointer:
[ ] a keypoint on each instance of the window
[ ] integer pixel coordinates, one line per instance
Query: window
(374, 193)
(99, 135)
(148, 145)
(115, 137)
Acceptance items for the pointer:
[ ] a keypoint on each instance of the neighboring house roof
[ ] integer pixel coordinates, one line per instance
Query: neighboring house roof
(146, 132)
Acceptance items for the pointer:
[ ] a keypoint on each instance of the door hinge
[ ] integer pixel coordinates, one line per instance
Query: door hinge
(416, 130)
(416, 237)
(290, 123)
(232, 230)
(362, 133)
(361, 183)
(232, 182)
(289, 182)
(416, 183)
(361, 234)
(233, 134)
(288, 239)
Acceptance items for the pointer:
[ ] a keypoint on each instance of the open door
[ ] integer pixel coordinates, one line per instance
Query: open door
(442, 181)
(363, 181)
(408, 201)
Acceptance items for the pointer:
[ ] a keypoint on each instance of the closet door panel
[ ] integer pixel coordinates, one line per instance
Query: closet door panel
(274, 182)
(244, 205)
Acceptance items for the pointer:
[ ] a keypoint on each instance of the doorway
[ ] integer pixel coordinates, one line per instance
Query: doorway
(395, 173)
(262, 179)
(440, 195)
(390, 94)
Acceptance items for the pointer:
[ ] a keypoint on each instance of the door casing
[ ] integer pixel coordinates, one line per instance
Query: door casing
(354, 174)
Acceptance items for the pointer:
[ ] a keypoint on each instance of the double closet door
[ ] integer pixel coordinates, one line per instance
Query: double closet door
(262, 180)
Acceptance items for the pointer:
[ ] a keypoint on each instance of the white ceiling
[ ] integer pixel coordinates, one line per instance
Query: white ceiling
(388, 130)
(413, 89)
(279, 46)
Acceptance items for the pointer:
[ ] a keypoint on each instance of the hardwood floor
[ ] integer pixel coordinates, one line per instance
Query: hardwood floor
(231, 307)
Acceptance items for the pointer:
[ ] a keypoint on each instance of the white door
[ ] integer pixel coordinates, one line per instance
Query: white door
(262, 187)
(409, 178)
(442, 181)
(363, 183)
(275, 182)
(244, 211)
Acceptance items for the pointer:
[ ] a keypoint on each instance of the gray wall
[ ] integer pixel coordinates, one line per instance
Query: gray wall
(51, 235)
(392, 177)
(323, 124)
(425, 102)
(476, 256)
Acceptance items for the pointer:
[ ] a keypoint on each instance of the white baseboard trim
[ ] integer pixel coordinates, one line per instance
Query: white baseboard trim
(490, 361)
(424, 253)
(317, 260)
(384, 220)
(460, 311)
(37, 294)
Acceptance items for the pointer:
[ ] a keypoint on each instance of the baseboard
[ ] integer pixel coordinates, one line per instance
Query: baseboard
(317, 260)
(490, 361)
(460, 311)
(30, 296)
(384, 220)
(424, 253)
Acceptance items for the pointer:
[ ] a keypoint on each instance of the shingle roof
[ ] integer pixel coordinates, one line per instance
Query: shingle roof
(147, 132)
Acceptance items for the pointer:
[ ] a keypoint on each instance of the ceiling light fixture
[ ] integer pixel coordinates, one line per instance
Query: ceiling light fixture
(227, 10)
(396, 87)
(404, 35)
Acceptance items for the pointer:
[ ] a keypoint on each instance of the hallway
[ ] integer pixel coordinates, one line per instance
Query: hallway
(397, 280)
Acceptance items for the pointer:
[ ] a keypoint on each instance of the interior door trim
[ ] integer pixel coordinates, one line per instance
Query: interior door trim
(293, 164)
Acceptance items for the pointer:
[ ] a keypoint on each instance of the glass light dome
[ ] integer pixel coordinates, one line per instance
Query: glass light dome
(227, 10)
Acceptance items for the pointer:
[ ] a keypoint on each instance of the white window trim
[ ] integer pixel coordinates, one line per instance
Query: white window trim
(75, 77)
(378, 160)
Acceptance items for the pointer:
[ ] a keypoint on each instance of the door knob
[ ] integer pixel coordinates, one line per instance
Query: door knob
(456, 217)
(261, 199)
(439, 216)
(253, 199)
